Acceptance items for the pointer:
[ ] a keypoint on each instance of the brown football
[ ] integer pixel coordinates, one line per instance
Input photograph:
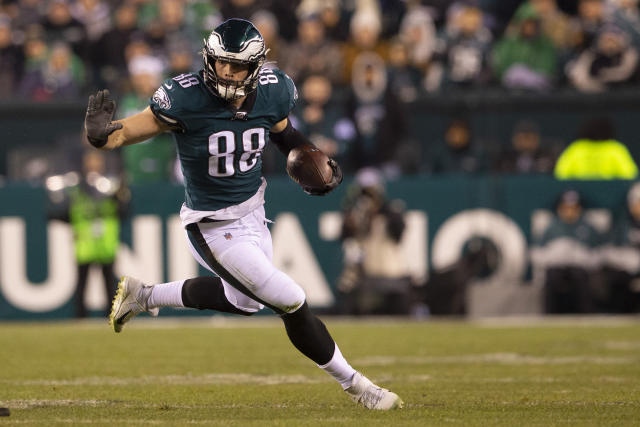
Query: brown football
(309, 167)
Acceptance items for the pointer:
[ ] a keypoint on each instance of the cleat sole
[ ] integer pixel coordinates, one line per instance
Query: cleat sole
(115, 306)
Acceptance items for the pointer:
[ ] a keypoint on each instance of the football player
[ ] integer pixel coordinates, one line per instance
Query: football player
(222, 117)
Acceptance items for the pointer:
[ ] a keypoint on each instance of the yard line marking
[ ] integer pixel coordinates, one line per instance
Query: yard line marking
(504, 358)
(45, 403)
(115, 421)
(249, 379)
(204, 379)
(622, 345)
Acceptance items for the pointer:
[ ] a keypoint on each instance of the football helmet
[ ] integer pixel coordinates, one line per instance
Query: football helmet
(237, 41)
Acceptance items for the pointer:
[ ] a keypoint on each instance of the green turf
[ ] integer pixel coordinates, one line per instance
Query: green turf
(247, 373)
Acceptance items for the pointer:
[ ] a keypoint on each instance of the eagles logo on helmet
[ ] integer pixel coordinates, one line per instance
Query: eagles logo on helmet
(236, 41)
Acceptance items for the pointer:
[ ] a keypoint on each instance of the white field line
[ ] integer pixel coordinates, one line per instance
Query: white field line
(224, 322)
(204, 379)
(499, 358)
(59, 403)
(248, 379)
(622, 345)
(114, 421)
(554, 320)
(46, 403)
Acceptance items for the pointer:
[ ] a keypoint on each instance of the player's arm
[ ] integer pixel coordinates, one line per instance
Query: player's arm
(106, 134)
(286, 138)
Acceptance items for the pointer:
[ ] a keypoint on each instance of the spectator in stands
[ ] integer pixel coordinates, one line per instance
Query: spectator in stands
(199, 15)
(153, 160)
(320, 119)
(267, 24)
(94, 15)
(459, 152)
(375, 277)
(379, 118)
(180, 58)
(59, 78)
(312, 53)
(567, 254)
(525, 58)
(622, 258)
(364, 39)
(555, 23)
(625, 14)
(169, 25)
(526, 155)
(202, 16)
(463, 51)
(419, 35)
(61, 26)
(109, 56)
(25, 13)
(405, 80)
(591, 17)
(596, 155)
(11, 59)
(612, 62)
(335, 20)
(137, 47)
(35, 50)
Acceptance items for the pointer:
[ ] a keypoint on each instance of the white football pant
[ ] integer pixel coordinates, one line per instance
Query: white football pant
(240, 252)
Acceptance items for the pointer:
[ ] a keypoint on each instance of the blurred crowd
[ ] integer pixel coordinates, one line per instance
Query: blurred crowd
(358, 65)
(59, 49)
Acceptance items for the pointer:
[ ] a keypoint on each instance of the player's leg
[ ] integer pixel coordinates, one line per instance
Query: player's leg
(236, 254)
(203, 293)
(207, 292)
(81, 286)
(109, 283)
(311, 337)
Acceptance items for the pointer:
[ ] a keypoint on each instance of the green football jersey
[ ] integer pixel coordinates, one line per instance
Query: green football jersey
(219, 146)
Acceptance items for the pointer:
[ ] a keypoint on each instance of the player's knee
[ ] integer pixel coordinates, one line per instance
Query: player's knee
(282, 292)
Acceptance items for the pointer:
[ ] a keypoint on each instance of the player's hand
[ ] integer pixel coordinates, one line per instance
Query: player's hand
(336, 179)
(98, 120)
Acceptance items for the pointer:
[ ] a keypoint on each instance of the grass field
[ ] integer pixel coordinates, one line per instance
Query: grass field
(245, 372)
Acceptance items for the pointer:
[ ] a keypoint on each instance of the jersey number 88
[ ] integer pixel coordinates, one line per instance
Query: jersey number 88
(222, 147)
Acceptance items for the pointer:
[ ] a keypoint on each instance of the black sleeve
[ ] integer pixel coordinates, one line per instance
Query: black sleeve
(289, 138)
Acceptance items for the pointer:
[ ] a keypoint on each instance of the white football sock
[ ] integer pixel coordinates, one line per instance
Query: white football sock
(339, 369)
(166, 295)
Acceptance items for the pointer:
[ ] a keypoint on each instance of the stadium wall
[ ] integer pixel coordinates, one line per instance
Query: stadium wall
(37, 273)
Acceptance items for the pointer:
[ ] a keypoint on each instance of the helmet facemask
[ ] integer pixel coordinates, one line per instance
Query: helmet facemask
(243, 45)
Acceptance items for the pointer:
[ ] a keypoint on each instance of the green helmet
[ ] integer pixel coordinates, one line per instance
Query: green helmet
(237, 41)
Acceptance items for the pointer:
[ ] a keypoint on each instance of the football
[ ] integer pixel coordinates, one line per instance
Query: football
(309, 167)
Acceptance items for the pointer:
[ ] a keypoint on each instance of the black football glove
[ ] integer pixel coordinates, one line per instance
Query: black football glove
(98, 122)
(335, 181)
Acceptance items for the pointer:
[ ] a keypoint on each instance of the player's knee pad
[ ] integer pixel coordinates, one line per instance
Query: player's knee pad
(282, 292)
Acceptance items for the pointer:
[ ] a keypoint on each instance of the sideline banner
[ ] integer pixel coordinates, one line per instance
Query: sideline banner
(37, 270)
